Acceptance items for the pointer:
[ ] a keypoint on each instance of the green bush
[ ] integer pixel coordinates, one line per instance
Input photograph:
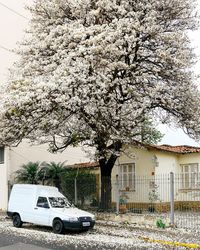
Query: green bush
(160, 224)
(86, 186)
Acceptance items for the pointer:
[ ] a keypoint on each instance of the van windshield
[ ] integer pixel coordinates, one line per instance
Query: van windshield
(59, 202)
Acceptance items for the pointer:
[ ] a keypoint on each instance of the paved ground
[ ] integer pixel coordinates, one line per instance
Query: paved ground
(105, 235)
(22, 246)
(17, 242)
(8, 242)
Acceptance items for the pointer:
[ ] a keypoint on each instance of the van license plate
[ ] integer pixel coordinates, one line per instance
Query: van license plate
(86, 224)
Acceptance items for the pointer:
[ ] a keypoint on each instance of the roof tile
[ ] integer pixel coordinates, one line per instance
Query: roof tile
(181, 149)
(85, 165)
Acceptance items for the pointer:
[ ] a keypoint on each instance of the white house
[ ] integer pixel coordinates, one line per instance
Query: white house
(12, 158)
(143, 172)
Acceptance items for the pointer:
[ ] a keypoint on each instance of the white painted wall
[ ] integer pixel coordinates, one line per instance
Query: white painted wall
(189, 158)
(145, 167)
(3, 187)
(4, 182)
(26, 152)
(167, 162)
(184, 194)
(142, 158)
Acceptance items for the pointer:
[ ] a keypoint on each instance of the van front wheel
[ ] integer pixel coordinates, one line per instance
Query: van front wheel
(17, 220)
(58, 226)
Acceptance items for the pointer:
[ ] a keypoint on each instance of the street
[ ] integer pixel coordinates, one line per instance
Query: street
(13, 242)
(105, 235)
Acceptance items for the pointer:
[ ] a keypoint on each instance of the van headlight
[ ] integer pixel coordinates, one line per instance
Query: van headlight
(73, 219)
(93, 217)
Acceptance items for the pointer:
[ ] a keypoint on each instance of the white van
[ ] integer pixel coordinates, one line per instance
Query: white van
(45, 205)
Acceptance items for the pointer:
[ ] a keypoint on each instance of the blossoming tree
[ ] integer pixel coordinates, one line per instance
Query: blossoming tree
(91, 70)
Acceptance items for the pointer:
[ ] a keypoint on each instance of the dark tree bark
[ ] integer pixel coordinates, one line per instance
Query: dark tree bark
(106, 166)
(106, 186)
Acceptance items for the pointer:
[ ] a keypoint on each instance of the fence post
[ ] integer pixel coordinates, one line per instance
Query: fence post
(171, 198)
(117, 194)
(75, 191)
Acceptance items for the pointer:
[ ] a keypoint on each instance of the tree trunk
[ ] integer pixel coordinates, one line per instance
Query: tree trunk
(106, 189)
(106, 167)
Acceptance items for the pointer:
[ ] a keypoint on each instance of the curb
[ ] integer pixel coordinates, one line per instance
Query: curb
(171, 243)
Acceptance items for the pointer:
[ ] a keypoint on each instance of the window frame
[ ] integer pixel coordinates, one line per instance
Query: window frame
(40, 206)
(131, 183)
(190, 179)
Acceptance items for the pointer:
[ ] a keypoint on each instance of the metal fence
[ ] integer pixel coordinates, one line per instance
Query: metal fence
(172, 196)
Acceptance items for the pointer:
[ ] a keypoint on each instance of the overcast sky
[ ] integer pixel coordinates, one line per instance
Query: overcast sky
(12, 26)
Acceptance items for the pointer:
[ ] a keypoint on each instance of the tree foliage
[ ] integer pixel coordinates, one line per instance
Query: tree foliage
(52, 173)
(85, 183)
(29, 173)
(148, 133)
(91, 71)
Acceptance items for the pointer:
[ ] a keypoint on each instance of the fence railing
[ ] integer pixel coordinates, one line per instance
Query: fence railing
(174, 195)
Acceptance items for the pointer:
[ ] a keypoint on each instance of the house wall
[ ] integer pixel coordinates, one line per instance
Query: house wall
(144, 170)
(167, 162)
(152, 172)
(142, 158)
(3, 187)
(3, 181)
(189, 158)
(187, 194)
(26, 152)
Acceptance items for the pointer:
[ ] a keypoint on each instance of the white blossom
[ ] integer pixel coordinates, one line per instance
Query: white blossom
(90, 71)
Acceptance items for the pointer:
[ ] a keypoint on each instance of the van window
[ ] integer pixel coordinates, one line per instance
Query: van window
(59, 202)
(42, 202)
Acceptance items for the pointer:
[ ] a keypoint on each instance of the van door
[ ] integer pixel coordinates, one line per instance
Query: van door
(42, 211)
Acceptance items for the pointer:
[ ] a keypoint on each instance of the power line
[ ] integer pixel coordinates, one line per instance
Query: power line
(14, 11)
(22, 156)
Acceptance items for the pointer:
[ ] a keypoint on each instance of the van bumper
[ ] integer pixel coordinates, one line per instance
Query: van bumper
(78, 225)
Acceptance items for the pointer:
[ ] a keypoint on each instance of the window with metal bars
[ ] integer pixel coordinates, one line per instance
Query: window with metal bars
(190, 176)
(127, 176)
